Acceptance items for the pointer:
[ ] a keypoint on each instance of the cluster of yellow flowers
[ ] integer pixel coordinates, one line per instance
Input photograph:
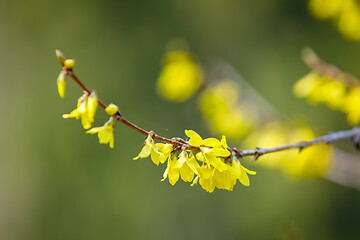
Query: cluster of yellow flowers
(309, 162)
(224, 112)
(180, 77)
(86, 106)
(344, 13)
(332, 92)
(218, 167)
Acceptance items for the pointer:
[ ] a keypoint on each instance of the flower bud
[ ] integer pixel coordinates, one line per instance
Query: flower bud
(69, 63)
(61, 84)
(60, 56)
(112, 109)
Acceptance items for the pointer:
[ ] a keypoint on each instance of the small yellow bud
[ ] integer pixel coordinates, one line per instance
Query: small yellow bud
(60, 56)
(111, 109)
(69, 63)
(61, 85)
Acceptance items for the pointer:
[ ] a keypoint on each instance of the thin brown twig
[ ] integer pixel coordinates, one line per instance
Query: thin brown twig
(353, 134)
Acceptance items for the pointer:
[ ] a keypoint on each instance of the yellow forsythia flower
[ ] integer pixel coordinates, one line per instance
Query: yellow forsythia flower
(352, 106)
(210, 177)
(333, 92)
(85, 110)
(324, 9)
(215, 172)
(211, 149)
(219, 169)
(345, 14)
(180, 77)
(349, 22)
(159, 152)
(306, 85)
(111, 109)
(61, 85)
(171, 171)
(185, 166)
(105, 133)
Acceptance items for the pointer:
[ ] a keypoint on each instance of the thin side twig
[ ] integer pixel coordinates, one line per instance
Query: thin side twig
(314, 62)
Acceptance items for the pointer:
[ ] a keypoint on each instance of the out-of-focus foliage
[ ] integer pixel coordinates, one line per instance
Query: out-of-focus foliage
(333, 92)
(181, 75)
(344, 13)
(310, 162)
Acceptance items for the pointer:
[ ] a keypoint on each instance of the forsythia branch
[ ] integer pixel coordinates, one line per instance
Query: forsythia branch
(311, 59)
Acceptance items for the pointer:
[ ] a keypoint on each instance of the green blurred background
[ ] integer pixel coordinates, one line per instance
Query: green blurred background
(58, 183)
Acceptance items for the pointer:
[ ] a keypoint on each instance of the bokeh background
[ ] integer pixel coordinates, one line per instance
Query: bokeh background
(58, 183)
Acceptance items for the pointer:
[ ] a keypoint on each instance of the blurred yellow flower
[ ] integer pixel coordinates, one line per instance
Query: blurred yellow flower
(345, 14)
(352, 106)
(180, 77)
(105, 133)
(324, 9)
(333, 92)
(225, 114)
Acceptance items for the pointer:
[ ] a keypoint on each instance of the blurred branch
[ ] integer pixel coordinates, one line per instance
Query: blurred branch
(314, 62)
(353, 135)
(346, 170)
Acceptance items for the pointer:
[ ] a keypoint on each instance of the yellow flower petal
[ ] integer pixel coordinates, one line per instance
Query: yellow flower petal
(182, 159)
(195, 138)
(186, 173)
(173, 172)
(144, 153)
(211, 142)
(94, 130)
(92, 104)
